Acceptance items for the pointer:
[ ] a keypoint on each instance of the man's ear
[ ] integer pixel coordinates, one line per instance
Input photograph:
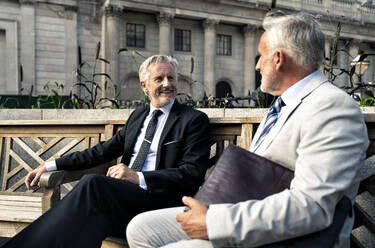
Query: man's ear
(279, 59)
(143, 86)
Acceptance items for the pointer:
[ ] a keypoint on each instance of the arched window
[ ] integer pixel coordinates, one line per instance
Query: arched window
(223, 89)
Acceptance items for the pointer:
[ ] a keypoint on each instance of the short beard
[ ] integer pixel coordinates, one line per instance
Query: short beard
(271, 82)
(166, 89)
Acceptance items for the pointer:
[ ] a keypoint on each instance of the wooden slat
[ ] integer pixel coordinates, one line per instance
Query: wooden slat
(68, 186)
(60, 122)
(14, 171)
(31, 204)
(1, 151)
(9, 229)
(15, 186)
(38, 141)
(225, 130)
(28, 150)
(20, 161)
(20, 215)
(50, 135)
(87, 142)
(25, 207)
(48, 146)
(246, 136)
(96, 139)
(67, 129)
(21, 197)
(66, 148)
(6, 163)
(108, 132)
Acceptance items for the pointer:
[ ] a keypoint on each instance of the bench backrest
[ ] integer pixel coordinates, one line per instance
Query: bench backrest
(24, 145)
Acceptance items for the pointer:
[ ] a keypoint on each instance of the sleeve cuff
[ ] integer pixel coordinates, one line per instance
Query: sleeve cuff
(51, 165)
(142, 181)
(216, 233)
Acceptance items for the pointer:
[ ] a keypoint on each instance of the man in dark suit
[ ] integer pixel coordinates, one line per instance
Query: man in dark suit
(156, 169)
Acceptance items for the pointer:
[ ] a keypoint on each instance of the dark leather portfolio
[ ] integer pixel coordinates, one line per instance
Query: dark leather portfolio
(241, 175)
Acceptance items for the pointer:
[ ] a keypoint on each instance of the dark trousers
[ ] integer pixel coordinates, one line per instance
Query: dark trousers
(98, 206)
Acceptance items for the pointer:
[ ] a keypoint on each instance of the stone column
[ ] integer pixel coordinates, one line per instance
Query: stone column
(165, 20)
(112, 44)
(209, 55)
(249, 58)
(71, 48)
(27, 43)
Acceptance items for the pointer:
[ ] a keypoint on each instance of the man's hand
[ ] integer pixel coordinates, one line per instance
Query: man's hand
(32, 179)
(121, 171)
(193, 222)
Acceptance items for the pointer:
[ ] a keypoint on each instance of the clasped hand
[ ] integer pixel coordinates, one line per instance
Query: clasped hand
(193, 221)
(121, 171)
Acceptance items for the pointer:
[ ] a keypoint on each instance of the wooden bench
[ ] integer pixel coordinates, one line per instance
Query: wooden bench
(24, 145)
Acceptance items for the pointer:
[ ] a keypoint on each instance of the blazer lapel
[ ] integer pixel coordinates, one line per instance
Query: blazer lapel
(134, 129)
(172, 118)
(310, 87)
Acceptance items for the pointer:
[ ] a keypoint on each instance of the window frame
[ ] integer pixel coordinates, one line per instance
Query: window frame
(223, 44)
(135, 38)
(183, 44)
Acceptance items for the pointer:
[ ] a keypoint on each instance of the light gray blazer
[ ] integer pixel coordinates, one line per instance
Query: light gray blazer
(323, 138)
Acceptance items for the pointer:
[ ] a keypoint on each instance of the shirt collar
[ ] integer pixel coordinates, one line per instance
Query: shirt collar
(289, 96)
(166, 109)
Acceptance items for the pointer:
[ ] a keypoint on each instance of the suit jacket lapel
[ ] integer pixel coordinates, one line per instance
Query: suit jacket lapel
(310, 87)
(174, 115)
(134, 129)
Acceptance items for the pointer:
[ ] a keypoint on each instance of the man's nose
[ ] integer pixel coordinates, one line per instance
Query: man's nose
(166, 82)
(257, 66)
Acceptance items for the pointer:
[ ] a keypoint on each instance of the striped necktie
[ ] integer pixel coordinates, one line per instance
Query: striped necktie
(145, 146)
(272, 116)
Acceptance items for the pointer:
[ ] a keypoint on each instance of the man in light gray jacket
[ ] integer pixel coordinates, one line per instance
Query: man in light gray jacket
(315, 129)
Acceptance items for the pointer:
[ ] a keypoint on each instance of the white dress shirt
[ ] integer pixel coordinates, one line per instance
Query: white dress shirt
(150, 161)
(289, 98)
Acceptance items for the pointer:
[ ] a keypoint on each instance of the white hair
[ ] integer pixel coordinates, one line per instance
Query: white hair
(299, 35)
(143, 69)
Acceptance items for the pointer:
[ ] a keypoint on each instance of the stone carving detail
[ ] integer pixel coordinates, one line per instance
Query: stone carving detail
(164, 18)
(113, 11)
(69, 11)
(210, 24)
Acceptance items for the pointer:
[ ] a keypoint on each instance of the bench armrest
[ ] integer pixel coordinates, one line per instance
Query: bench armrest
(51, 179)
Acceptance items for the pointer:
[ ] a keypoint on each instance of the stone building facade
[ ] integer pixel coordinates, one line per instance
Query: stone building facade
(220, 37)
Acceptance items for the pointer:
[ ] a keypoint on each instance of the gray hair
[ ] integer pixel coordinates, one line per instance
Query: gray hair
(299, 35)
(143, 69)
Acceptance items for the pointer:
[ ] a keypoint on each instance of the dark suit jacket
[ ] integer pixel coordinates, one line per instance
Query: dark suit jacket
(182, 156)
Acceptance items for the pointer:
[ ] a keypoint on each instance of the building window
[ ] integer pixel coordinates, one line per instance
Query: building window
(135, 35)
(223, 44)
(182, 40)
